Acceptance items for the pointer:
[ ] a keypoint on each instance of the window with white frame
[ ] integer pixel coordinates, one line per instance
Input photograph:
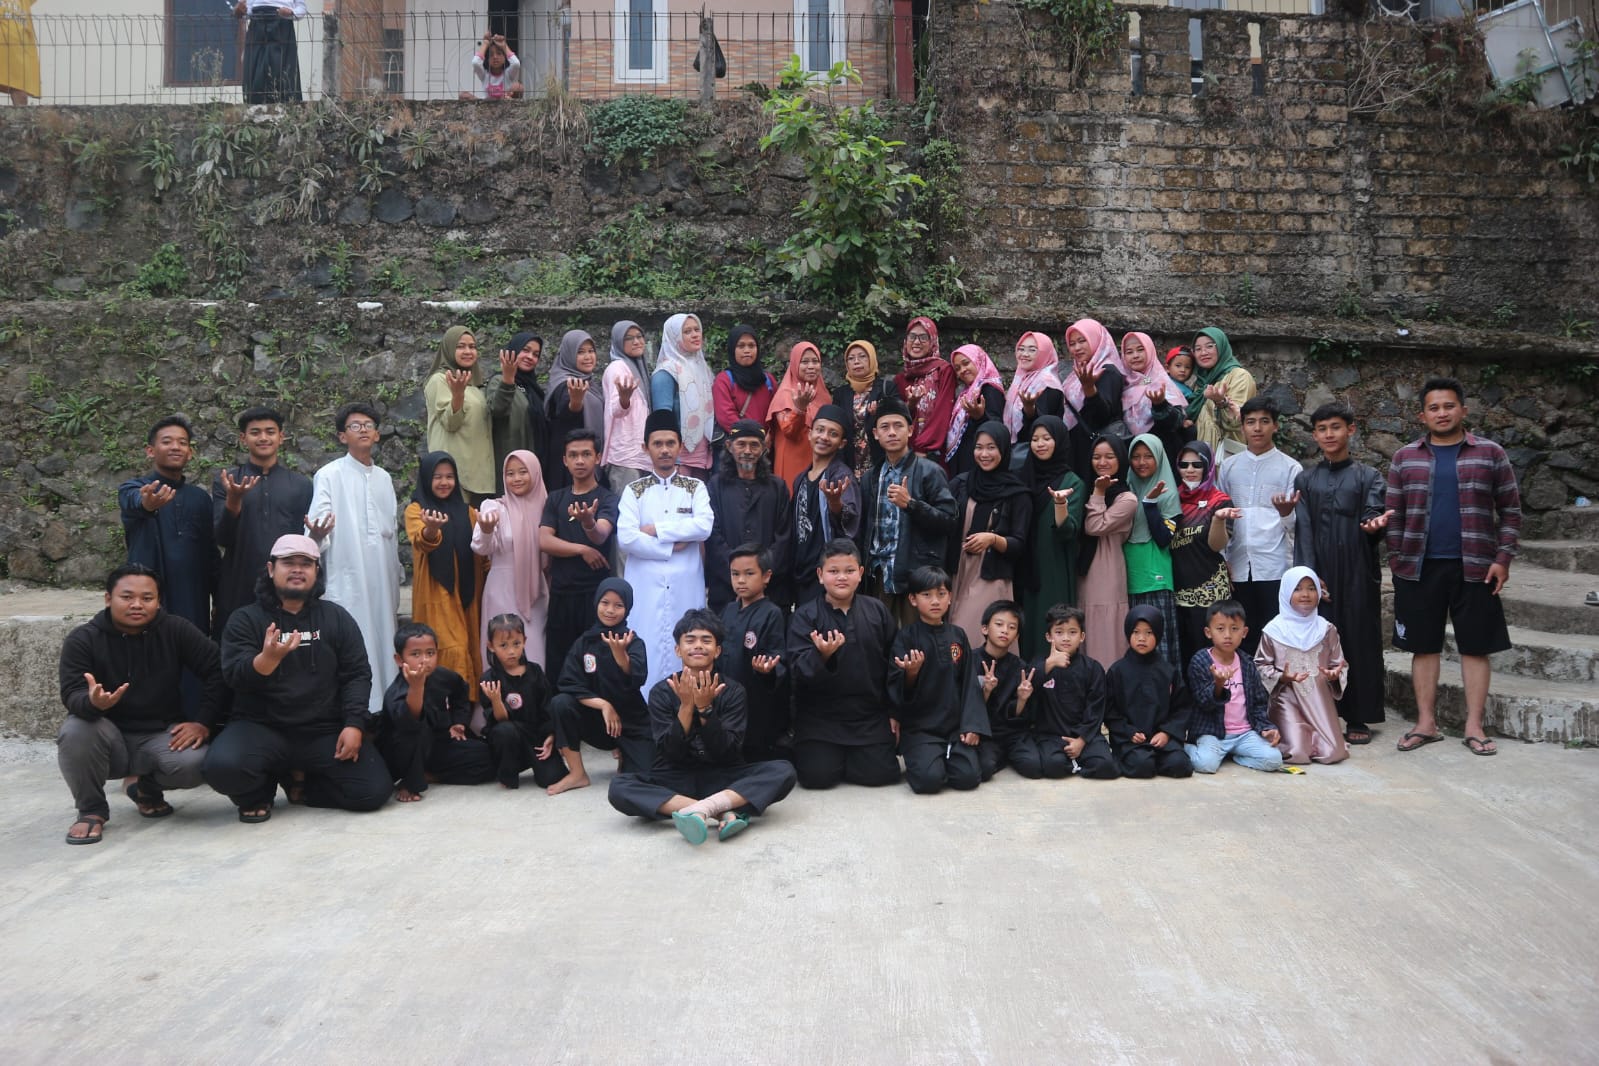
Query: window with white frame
(819, 33)
(639, 40)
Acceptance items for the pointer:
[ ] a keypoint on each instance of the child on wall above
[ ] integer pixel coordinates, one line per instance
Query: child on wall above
(497, 67)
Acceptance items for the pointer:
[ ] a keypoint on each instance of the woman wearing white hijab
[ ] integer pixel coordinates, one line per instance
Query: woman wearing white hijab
(683, 384)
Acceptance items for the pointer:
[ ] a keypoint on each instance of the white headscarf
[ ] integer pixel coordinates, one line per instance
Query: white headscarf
(1290, 628)
(694, 381)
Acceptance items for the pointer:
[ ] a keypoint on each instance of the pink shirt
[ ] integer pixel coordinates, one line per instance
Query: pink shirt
(624, 429)
(1235, 718)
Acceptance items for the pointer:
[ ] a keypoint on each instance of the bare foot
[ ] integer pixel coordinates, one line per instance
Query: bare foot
(568, 783)
(405, 795)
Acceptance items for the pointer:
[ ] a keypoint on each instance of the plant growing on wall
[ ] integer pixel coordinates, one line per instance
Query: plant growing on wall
(855, 229)
(1090, 30)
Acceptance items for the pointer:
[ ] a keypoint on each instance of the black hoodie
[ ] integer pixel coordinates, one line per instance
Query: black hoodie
(152, 664)
(1144, 694)
(322, 686)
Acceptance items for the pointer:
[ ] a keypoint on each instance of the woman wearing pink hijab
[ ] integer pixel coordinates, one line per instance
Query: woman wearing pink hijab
(507, 534)
(927, 385)
(1093, 390)
(1151, 400)
(1037, 388)
(981, 399)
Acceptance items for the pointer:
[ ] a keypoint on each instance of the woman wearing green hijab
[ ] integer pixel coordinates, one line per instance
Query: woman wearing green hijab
(458, 414)
(1221, 387)
(1148, 546)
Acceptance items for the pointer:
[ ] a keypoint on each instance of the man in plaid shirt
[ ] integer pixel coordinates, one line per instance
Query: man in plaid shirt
(1453, 519)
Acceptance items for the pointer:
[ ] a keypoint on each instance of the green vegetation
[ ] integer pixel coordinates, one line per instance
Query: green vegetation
(1248, 302)
(1088, 30)
(166, 274)
(639, 127)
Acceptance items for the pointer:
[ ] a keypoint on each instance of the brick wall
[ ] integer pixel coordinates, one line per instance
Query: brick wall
(1164, 198)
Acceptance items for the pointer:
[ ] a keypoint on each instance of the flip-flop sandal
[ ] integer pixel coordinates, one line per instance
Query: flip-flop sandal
(733, 827)
(159, 808)
(1480, 746)
(1592, 599)
(1358, 736)
(256, 819)
(90, 820)
(1421, 739)
(692, 826)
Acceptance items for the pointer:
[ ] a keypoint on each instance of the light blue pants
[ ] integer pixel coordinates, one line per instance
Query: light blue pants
(1247, 749)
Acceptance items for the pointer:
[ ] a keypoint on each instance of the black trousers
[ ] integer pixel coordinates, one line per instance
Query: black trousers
(415, 751)
(991, 755)
(247, 760)
(1260, 606)
(1035, 755)
(1191, 633)
(568, 616)
(1144, 760)
(932, 763)
(760, 783)
(271, 61)
(512, 751)
(821, 764)
(577, 724)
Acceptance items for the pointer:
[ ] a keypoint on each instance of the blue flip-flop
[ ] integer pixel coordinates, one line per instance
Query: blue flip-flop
(737, 825)
(692, 826)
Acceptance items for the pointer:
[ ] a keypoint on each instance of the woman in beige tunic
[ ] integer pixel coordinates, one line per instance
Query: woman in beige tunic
(1103, 592)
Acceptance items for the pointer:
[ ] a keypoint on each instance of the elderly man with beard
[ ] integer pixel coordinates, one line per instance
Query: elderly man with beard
(298, 668)
(751, 506)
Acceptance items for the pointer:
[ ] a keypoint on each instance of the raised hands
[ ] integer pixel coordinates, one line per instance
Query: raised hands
(1157, 492)
(457, 380)
(804, 395)
(988, 680)
(319, 527)
(275, 646)
(1088, 375)
(833, 492)
(696, 688)
(765, 664)
(1217, 393)
(488, 521)
(432, 522)
(625, 387)
(828, 643)
(415, 675)
(576, 389)
(911, 663)
(99, 698)
(1331, 671)
(1157, 396)
(507, 367)
(975, 406)
(583, 513)
(1227, 514)
(1057, 659)
(1102, 484)
(237, 488)
(491, 689)
(619, 646)
(1296, 676)
(1062, 497)
(156, 495)
(1024, 691)
(1029, 400)
(1378, 524)
(899, 495)
(1220, 675)
(1285, 502)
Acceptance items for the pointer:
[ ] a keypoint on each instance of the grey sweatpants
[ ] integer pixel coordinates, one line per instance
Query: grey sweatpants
(621, 477)
(92, 753)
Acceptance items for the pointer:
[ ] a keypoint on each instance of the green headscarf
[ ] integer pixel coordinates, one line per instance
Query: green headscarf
(445, 359)
(1203, 379)
(1171, 507)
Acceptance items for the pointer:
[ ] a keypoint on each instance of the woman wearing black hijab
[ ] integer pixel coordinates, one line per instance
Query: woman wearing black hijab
(599, 686)
(1106, 527)
(744, 389)
(1060, 501)
(447, 592)
(996, 516)
(516, 403)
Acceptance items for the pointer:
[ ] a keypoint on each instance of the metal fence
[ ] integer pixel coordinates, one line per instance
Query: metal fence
(120, 59)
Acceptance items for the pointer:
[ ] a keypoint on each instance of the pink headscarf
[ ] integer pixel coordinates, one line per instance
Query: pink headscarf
(521, 515)
(1042, 376)
(1105, 354)
(987, 374)
(1137, 409)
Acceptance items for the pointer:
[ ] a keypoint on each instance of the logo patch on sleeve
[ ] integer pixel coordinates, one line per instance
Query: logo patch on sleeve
(749, 638)
(514, 701)
(590, 664)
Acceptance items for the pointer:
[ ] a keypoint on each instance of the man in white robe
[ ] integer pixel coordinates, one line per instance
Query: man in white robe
(664, 522)
(353, 519)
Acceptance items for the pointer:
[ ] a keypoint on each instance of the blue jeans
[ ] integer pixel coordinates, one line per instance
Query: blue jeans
(1247, 749)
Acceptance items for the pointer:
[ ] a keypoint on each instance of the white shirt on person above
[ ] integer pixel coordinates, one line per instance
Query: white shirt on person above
(1261, 548)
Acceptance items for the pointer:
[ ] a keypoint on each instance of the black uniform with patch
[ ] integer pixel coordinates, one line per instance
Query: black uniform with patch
(1068, 701)
(945, 702)
(759, 629)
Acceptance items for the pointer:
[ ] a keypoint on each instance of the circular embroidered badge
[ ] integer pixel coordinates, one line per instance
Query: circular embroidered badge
(749, 639)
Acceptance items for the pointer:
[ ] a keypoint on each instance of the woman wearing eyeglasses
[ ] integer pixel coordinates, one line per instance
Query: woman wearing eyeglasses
(928, 386)
(1199, 573)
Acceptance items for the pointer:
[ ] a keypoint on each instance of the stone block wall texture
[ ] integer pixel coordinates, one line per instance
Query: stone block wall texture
(1098, 192)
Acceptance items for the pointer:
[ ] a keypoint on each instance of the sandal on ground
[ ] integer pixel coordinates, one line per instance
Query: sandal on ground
(151, 805)
(1358, 736)
(692, 826)
(255, 815)
(1592, 599)
(1481, 746)
(1413, 740)
(96, 826)
(733, 827)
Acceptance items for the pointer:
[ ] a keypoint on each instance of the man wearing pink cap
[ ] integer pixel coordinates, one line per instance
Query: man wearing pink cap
(298, 667)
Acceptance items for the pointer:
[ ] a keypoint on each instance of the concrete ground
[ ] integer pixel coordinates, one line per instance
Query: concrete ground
(1432, 907)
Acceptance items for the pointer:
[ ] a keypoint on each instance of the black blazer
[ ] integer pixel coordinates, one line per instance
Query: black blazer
(1011, 519)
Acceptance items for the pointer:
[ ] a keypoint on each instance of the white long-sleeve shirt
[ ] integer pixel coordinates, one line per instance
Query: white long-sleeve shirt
(1260, 548)
(667, 571)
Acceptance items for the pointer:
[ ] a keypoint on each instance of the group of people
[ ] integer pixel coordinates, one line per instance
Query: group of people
(736, 583)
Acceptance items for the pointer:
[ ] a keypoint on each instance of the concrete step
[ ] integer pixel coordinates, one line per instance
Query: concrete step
(1567, 523)
(1520, 707)
(1571, 555)
(1550, 600)
(1538, 655)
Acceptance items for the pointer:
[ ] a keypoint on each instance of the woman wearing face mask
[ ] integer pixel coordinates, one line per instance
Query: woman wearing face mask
(1223, 387)
(574, 402)
(996, 518)
(863, 389)
(516, 402)
(1106, 526)
(1151, 400)
(800, 396)
(458, 413)
(981, 399)
(1199, 573)
(744, 389)
(1060, 503)
(683, 384)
